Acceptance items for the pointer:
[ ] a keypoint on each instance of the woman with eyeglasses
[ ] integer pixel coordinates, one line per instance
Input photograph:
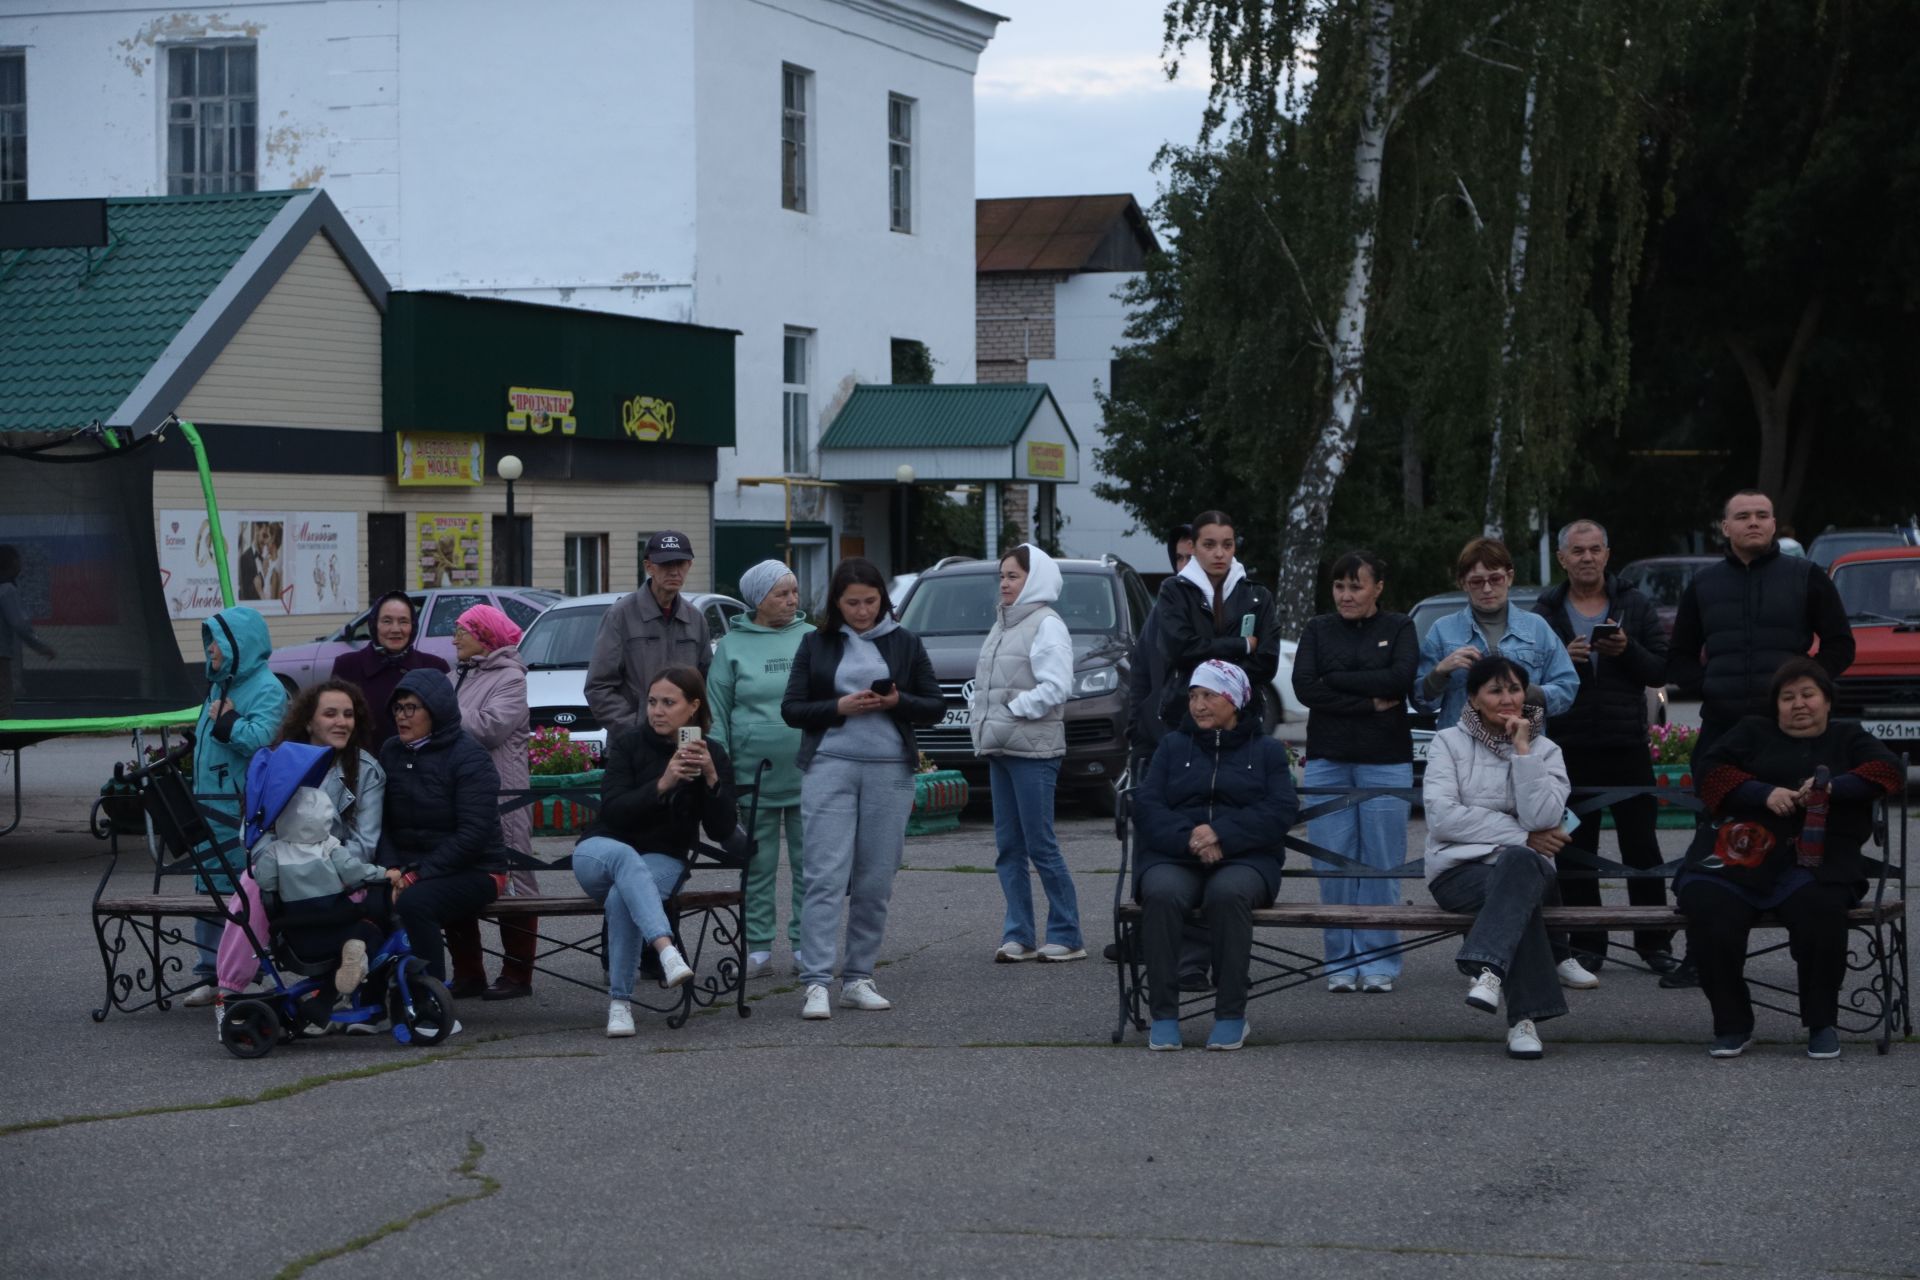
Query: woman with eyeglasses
(441, 843)
(1489, 625)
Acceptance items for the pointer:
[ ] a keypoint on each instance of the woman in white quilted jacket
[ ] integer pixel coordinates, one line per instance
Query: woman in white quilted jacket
(1495, 794)
(1020, 691)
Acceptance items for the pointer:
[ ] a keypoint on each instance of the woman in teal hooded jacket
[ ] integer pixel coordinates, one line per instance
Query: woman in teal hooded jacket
(745, 685)
(245, 703)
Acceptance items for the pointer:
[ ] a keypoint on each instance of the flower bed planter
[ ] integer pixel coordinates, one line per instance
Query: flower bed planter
(1672, 818)
(938, 798)
(557, 815)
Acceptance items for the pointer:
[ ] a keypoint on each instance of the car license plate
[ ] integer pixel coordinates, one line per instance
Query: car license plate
(1893, 730)
(956, 718)
(1420, 748)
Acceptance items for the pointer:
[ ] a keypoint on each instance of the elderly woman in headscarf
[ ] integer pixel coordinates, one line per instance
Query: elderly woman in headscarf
(491, 687)
(379, 667)
(1211, 818)
(744, 687)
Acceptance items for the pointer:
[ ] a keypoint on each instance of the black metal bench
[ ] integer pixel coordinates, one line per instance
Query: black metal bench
(1875, 1001)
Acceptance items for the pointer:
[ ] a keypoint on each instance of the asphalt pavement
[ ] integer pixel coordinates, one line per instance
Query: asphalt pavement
(985, 1126)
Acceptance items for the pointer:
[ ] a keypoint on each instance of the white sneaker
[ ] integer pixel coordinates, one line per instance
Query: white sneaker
(619, 1019)
(1574, 974)
(1523, 1041)
(1341, 984)
(759, 964)
(353, 967)
(1376, 984)
(673, 969)
(860, 994)
(1484, 994)
(1013, 953)
(818, 1006)
(1059, 953)
(200, 997)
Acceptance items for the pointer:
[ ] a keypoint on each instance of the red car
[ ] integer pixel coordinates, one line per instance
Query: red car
(1881, 589)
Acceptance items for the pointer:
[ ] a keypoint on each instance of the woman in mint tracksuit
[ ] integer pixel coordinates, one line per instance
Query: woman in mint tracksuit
(245, 703)
(744, 687)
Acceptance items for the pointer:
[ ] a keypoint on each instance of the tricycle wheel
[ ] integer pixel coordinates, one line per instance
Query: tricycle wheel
(249, 1029)
(431, 1019)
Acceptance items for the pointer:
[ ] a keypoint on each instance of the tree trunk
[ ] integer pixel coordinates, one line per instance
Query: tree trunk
(1773, 403)
(1312, 498)
(1494, 523)
(1413, 469)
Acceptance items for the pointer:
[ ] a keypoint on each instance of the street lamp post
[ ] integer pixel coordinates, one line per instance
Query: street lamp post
(904, 475)
(509, 469)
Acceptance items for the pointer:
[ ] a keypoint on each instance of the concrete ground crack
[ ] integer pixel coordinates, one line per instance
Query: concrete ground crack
(468, 1168)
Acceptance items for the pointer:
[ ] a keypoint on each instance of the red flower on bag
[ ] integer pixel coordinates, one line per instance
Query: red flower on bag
(1743, 844)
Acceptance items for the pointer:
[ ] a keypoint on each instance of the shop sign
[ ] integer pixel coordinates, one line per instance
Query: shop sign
(1046, 461)
(449, 549)
(539, 410)
(282, 562)
(440, 458)
(645, 418)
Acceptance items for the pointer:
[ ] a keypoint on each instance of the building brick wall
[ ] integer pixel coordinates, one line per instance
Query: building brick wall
(1013, 323)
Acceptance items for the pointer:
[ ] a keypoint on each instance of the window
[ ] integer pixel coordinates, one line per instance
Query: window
(720, 616)
(586, 563)
(447, 608)
(212, 104)
(796, 86)
(523, 612)
(899, 162)
(13, 126)
(797, 430)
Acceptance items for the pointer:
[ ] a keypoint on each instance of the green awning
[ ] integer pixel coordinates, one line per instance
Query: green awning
(951, 433)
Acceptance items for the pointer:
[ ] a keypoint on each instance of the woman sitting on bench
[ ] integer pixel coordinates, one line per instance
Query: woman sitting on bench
(665, 784)
(1211, 814)
(1495, 795)
(1796, 792)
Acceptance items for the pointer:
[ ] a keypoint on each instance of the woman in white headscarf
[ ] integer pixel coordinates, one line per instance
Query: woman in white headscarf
(744, 688)
(1020, 691)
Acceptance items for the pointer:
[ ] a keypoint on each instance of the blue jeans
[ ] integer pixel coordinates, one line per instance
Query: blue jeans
(1023, 791)
(632, 886)
(1373, 834)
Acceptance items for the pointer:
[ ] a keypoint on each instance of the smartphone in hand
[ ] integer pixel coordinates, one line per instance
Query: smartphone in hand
(1605, 630)
(882, 687)
(689, 733)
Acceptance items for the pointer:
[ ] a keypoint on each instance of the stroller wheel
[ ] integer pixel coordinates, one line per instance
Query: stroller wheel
(249, 1029)
(431, 1019)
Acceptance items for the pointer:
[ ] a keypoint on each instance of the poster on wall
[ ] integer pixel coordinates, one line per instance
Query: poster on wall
(440, 458)
(282, 562)
(449, 549)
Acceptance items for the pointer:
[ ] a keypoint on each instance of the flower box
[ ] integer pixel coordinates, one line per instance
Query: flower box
(938, 798)
(557, 815)
(1672, 817)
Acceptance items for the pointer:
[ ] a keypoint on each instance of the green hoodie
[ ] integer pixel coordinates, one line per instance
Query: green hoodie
(746, 684)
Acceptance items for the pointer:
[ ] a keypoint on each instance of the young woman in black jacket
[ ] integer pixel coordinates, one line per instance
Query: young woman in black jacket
(659, 794)
(440, 839)
(1211, 609)
(857, 688)
(1353, 672)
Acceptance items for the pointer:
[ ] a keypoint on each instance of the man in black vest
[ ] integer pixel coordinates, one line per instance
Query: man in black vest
(1740, 619)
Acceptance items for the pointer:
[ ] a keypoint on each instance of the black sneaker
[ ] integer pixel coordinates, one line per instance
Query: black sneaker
(1730, 1046)
(1661, 962)
(1683, 974)
(1823, 1042)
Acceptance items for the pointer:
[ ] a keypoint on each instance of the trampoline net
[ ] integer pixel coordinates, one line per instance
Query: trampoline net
(90, 587)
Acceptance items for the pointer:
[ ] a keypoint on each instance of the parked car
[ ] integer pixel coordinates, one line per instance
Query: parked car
(299, 665)
(952, 606)
(1434, 608)
(1834, 543)
(1881, 589)
(559, 645)
(1663, 580)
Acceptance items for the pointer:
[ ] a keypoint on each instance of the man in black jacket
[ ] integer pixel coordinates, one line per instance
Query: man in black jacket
(1740, 619)
(1618, 648)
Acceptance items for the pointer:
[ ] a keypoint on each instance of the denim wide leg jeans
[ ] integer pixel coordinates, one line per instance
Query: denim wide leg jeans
(1373, 834)
(1023, 799)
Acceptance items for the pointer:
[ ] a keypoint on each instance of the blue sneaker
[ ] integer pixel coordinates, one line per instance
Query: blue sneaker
(1228, 1033)
(1165, 1034)
(1823, 1042)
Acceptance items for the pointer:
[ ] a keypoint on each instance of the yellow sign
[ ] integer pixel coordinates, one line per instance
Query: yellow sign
(538, 410)
(645, 418)
(449, 549)
(1046, 461)
(438, 458)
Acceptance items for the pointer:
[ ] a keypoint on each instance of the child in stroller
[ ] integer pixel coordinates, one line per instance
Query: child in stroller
(308, 884)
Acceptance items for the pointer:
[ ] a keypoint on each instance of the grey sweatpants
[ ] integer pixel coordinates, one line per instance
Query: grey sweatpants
(854, 813)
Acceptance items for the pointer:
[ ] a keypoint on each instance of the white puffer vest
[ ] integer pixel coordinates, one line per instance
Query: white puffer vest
(1006, 669)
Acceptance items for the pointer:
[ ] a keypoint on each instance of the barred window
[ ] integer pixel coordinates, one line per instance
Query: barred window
(212, 113)
(900, 162)
(13, 126)
(795, 84)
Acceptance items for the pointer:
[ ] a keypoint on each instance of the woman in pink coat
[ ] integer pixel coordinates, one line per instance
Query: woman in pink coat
(491, 685)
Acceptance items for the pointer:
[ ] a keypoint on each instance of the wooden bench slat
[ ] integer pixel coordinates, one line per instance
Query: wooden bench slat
(197, 904)
(1318, 915)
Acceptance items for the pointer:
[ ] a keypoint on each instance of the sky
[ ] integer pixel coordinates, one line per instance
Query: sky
(1071, 99)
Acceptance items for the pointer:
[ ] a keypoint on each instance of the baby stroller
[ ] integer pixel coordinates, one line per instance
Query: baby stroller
(300, 993)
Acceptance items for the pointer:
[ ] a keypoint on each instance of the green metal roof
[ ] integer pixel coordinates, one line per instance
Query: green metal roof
(956, 416)
(80, 328)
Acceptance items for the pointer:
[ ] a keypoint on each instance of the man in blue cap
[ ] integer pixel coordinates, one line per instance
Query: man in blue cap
(644, 633)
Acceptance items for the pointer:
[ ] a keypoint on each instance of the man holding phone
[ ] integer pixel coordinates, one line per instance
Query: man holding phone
(1613, 638)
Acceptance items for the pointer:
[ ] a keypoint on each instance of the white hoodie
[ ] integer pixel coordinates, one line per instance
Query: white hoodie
(1052, 653)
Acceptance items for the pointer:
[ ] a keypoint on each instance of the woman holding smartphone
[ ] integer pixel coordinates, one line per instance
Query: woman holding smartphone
(858, 687)
(1495, 794)
(665, 784)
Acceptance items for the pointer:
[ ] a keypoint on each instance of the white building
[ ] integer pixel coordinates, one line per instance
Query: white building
(798, 170)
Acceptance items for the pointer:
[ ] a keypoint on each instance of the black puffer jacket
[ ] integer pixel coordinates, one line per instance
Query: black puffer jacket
(1190, 635)
(1747, 619)
(443, 800)
(1610, 710)
(1339, 669)
(1236, 781)
(633, 811)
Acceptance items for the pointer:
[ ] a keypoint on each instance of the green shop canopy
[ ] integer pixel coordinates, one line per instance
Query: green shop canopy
(951, 434)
